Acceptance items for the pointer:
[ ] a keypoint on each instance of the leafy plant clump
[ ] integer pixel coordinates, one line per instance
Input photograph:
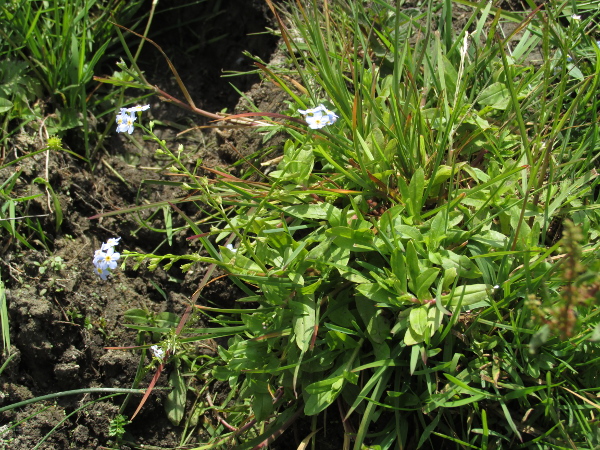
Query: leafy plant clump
(409, 264)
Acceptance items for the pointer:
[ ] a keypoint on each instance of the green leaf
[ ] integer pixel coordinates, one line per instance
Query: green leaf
(378, 327)
(318, 211)
(245, 264)
(495, 95)
(262, 406)
(463, 265)
(434, 319)
(424, 282)
(412, 337)
(304, 321)
(398, 265)
(222, 373)
(321, 394)
(136, 315)
(5, 105)
(175, 403)
(438, 231)
(360, 240)
(450, 275)
(467, 295)
(167, 320)
(415, 191)
(418, 319)
(374, 292)
(296, 165)
(595, 337)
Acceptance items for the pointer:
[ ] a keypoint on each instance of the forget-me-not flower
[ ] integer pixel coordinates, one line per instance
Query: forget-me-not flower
(125, 121)
(137, 108)
(112, 242)
(157, 351)
(102, 273)
(127, 116)
(106, 258)
(318, 117)
(109, 259)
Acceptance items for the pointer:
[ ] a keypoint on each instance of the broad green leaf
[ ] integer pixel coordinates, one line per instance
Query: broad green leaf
(434, 319)
(338, 311)
(318, 211)
(167, 319)
(222, 373)
(415, 190)
(412, 337)
(437, 231)
(262, 401)
(424, 282)
(303, 321)
(5, 105)
(262, 406)
(495, 95)
(450, 275)
(398, 265)
(442, 174)
(378, 327)
(354, 240)
(463, 265)
(418, 319)
(175, 403)
(337, 340)
(136, 315)
(467, 295)
(321, 394)
(245, 264)
(375, 292)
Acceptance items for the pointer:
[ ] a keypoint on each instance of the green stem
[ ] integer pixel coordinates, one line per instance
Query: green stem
(146, 30)
(73, 392)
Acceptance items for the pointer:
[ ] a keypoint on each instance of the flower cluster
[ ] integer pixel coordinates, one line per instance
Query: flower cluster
(318, 117)
(106, 258)
(127, 116)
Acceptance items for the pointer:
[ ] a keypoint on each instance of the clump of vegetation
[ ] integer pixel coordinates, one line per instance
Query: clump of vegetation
(393, 261)
(409, 266)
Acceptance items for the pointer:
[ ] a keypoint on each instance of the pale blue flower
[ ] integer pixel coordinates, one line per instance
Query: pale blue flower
(331, 116)
(112, 242)
(102, 272)
(318, 117)
(157, 351)
(125, 121)
(137, 108)
(98, 255)
(108, 259)
(313, 111)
